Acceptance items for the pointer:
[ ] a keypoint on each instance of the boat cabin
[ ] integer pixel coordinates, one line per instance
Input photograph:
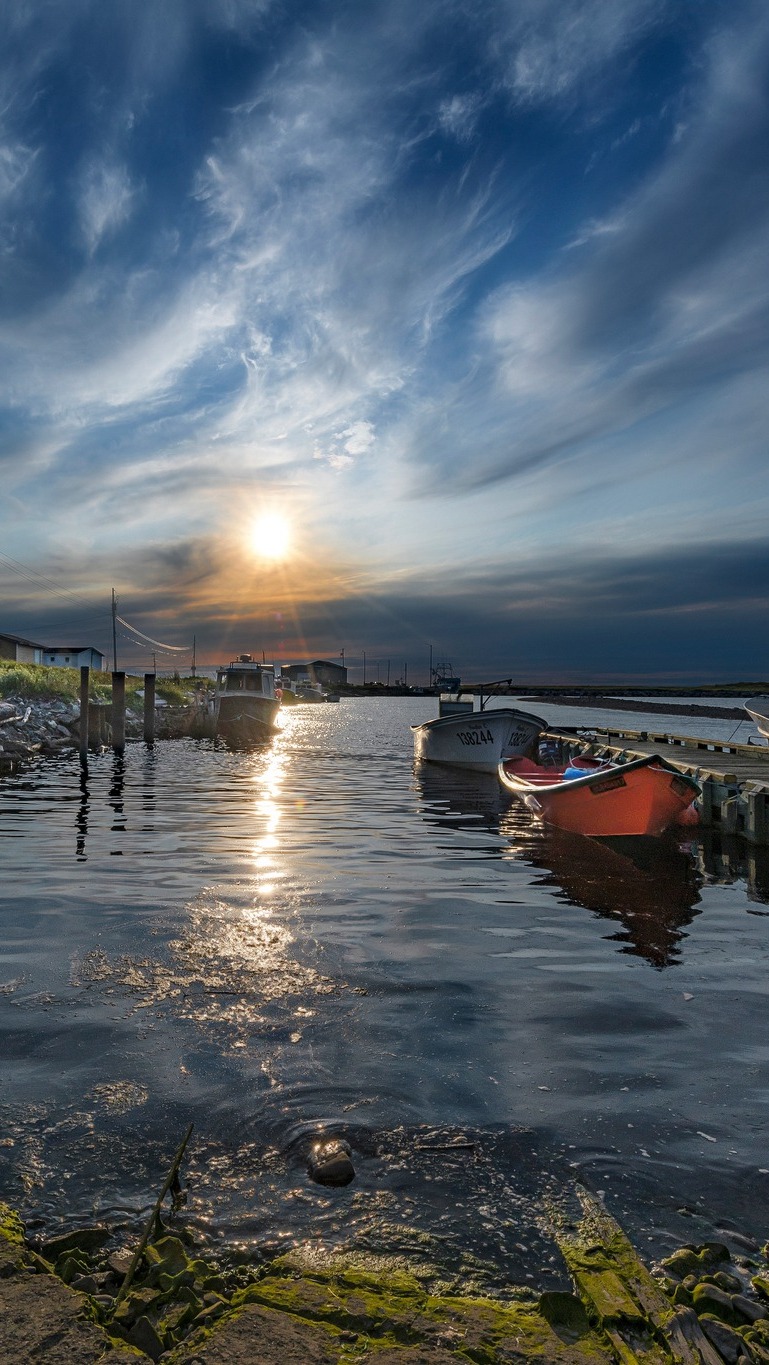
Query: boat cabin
(245, 675)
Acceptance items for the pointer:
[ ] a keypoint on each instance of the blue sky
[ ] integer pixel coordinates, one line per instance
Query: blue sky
(474, 294)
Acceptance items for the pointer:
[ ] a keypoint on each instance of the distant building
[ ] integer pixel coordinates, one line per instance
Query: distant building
(74, 656)
(21, 651)
(319, 671)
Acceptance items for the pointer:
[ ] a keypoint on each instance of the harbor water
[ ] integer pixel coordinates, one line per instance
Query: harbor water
(317, 937)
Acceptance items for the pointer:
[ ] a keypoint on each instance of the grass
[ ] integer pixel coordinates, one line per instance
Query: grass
(39, 682)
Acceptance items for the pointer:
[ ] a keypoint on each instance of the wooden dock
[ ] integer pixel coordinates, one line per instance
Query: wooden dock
(734, 777)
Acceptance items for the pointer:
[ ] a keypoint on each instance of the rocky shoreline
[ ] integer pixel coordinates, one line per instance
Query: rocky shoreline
(70, 1300)
(32, 727)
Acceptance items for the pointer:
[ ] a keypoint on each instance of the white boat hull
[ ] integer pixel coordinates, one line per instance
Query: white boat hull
(479, 740)
(759, 713)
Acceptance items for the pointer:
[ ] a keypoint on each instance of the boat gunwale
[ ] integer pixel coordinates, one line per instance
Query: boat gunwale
(525, 785)
(466, 716)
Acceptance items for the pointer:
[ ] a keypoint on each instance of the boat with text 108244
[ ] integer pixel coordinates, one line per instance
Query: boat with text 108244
(644, 796)
(246, 701)
(464, 737)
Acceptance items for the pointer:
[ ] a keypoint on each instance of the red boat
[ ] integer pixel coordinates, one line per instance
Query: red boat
(645, 796)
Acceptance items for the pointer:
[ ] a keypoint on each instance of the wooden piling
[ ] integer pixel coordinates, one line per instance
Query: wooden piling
(98, 727)
(149, 708)
(118, 712)
(84, 676)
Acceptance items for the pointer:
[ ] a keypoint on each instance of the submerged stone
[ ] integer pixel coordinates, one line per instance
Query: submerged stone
(82, 1239)
(330, 1162)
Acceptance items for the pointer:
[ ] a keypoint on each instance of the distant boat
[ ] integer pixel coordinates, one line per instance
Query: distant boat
(309, 692)
(246, 701)
(645, 796)
(444, 679)
(759, 712)
(462, 737)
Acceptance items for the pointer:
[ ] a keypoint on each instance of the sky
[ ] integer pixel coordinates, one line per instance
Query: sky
(413, 330)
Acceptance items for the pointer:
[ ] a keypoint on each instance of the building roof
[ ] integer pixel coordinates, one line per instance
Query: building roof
(73, 649)
(19, 640)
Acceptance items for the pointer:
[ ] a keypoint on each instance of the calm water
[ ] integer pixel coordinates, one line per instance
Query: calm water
(314, 936)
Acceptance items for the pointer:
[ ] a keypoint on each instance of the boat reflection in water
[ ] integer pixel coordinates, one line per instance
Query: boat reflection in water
(456, 798)
(650, 885)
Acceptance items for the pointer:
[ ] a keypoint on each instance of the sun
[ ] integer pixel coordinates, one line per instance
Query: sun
(271, 536)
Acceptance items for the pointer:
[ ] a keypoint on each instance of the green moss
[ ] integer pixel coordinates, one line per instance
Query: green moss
(395, 1310)
(11, 1226)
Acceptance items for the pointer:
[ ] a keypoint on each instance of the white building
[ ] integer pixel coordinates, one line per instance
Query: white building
(73, 656)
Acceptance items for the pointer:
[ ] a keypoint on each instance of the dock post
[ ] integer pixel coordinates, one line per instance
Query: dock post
(84, 676)
(149, 708)
(757, 812)
(118, 712)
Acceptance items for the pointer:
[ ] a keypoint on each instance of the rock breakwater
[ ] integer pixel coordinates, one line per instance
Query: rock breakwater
(32, 727)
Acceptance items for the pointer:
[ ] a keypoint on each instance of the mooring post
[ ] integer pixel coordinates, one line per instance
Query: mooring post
(118, 712)
(84, 675)
(149, 708)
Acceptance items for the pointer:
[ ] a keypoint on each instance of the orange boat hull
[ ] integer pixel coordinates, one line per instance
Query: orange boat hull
(643, 797)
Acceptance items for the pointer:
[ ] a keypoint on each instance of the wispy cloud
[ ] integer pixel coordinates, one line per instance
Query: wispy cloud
(546, 49)
(107, 197)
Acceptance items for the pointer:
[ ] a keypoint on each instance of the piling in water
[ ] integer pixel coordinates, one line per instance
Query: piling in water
(118, 712)
(84, 676)
(149, 708)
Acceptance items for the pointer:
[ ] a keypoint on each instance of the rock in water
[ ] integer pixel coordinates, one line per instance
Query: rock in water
(330, 1162)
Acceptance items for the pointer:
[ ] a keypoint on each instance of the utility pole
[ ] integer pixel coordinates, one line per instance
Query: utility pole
(114, 632)
(364, 668)
(430, 675)
(194, 641)
(388, 672)
(405, 675)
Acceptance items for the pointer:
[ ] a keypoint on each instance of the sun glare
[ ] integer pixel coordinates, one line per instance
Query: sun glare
(271, 536)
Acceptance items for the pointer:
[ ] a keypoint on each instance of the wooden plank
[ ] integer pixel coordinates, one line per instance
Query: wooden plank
(617, 1288)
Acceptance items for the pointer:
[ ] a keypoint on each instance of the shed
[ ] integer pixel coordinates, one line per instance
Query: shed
(21, 651)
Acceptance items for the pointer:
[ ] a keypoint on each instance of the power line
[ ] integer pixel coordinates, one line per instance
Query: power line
(172, 649)
(35, 577)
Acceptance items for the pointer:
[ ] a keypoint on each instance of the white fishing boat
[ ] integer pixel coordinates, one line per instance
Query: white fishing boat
(309, 692)
(759, 713)
(464, 736)
(246, 701)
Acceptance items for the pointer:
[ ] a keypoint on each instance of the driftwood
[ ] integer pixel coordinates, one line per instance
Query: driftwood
(171, 1182)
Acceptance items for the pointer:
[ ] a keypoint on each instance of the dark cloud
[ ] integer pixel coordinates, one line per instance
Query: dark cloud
(694, 609)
